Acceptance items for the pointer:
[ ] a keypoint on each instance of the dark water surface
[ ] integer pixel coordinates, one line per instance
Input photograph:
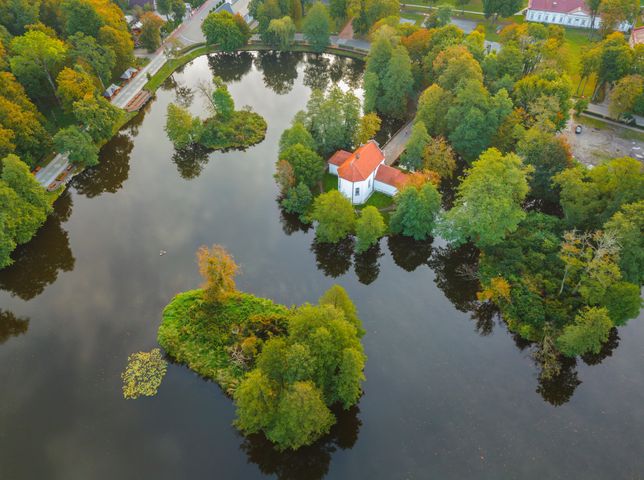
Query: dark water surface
(449, 394)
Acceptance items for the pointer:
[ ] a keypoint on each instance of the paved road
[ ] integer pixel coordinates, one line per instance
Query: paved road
(396, 144)
(49, 173)
(602, 109)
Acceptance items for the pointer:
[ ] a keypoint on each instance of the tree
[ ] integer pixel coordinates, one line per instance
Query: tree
(433, 105)
(371, 87)
(178, 8)
(589, 331)
(335, 216)
(284, 176)
(80, 16)
(77, 145)
(503, 8)
(367, 129)
(308, 166)
(453, 65)
(222, 101)
(439, 157)
(37, 57)
(474, 117)
(589, 197)
(412, 157)
(331, 119)
(301, 417)
(338, 297)
(627, 226)
(593, 8)
(222, 28)
(338, 9)
(416, 210)
(549, 155)
(7, 243)
(439, 17)
(182, 128)
(98, 116)
(256, 401)
(294, 135)
(370, 227)
(625, 95)
(150, 36)
(17, 176)
(120, 42)
(622, 299)
(615, 12)
(397, 84)
(89, 54)
(218, 270)
(317, 27)
(298, 200)
(281, 32)
(488, 201)
(73, 85)
(17, 14)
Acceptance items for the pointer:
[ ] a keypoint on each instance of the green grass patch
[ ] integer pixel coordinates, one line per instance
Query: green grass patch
(199, 334)
(329, 182)
(379, 200)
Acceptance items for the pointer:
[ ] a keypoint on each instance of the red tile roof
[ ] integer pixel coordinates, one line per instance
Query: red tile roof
(362, 163)
(637, 36)
(391, 176)
(339, 157)
(558, 6)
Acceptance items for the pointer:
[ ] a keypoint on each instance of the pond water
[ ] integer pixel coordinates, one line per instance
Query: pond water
(449, 392)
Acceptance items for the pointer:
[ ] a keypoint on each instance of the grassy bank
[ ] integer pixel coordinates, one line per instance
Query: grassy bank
(200, 334)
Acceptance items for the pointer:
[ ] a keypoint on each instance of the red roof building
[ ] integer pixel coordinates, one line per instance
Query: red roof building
(568, 13)
(364, 171)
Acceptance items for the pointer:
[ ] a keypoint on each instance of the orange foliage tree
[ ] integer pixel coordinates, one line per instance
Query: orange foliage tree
(218, 269)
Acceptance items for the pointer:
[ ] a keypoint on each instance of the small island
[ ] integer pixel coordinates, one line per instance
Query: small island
(226, 128)
(284, 367)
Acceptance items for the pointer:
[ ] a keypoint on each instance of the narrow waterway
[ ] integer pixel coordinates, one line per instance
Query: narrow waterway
(450, 394)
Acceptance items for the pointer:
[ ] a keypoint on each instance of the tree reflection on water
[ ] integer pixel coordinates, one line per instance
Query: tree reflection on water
(11, 326)
(310, 462)
(38, 262)
(333, 259)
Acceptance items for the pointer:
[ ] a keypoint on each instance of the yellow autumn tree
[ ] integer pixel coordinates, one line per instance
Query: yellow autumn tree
(218, 269)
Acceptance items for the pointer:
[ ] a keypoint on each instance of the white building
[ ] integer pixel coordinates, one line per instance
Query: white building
(568, 13)
(363, 172)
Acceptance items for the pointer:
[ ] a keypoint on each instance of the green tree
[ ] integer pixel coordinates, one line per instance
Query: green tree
(501, 8)
(17, 176)
(281, 32)
(298, 200)
(586, 335)
(36, 60)
(615, 12)
(178, 8)
(150, 36)
(488, 202)
(331, 119)
(589, 197)
(474, 117)
(222, 28)
(88, 53)
(335, 216)
(7, 243)
(317, 27)
(549, 155)
(622, 299)
(627, 226)
(77, 145)
(371, 87)
(301, 417)
(396, 84)
(439, 157)
(433, 105)
(73, 85)
(367, 129)
(294, 135)
(222, 100)
(308, 166)
(338, 297)
(256, 401)
(412, 157)
(370, 227)
(17, 14)
(416, 210)
(98, 115)
(80, 16)
(182, 128)
(338, 9)
(625, 95)
(120, 42)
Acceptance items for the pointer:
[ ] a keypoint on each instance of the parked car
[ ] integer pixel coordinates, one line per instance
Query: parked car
(578, 129)
(36, 170)
(69, 167)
